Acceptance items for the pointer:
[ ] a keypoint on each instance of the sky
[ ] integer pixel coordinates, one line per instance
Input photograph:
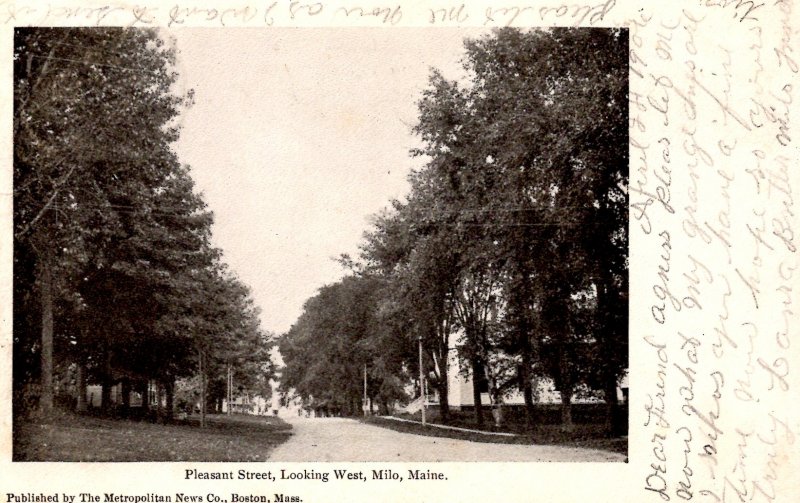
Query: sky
(297, 136)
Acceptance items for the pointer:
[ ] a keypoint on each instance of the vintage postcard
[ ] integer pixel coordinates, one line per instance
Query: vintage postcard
(340, 251)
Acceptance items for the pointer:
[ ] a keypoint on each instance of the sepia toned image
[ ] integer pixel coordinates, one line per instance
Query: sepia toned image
(320, 244)
(351, 239)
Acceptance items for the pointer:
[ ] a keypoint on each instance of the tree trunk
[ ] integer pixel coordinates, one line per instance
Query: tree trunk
(105, 400)
(126, 395)
(159, 399)
(444, 401)
(610, 347)
(526, 348)
(525, 371)
(612, 407)
(145, 390)
(566, 411)
(80, 377)
(442, 385)
(520, 300)
(477, 376)
(80, 404)
(46, 293)
(105, 396)
(566, 392)
(169, 390)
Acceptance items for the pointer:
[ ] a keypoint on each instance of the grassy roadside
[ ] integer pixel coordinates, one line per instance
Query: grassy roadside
(585, 436)
(73, 437)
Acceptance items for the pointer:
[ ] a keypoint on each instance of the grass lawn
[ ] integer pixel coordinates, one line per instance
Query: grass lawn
(73, 437)
(591, 436)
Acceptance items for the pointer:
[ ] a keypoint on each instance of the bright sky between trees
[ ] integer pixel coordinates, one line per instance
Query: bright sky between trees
(296, 137)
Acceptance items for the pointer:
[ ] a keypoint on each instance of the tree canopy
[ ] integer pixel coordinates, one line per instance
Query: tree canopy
(344, 332)
(114, 272)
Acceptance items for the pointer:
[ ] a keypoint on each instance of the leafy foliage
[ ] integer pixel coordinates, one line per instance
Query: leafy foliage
(343, 331)
(112, 250)
(514, 234)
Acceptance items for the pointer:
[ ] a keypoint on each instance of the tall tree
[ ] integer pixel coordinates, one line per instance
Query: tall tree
(533, 148)
(414, 247)
(113, 262)
(91, 107)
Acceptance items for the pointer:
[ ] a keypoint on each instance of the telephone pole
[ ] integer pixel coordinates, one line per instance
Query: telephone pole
(230, 388)
(421, 381)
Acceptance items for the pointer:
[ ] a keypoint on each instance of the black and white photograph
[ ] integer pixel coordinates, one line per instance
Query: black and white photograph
(320, 244)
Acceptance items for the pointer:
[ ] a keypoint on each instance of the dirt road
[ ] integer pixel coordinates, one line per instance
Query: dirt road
(338, 439)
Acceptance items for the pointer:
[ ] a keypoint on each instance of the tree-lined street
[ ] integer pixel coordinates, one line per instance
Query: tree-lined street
(504, 263)
(510, 251)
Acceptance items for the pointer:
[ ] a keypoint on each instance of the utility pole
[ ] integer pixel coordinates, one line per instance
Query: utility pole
(421, 381)
(230, 388)
(201, 355)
